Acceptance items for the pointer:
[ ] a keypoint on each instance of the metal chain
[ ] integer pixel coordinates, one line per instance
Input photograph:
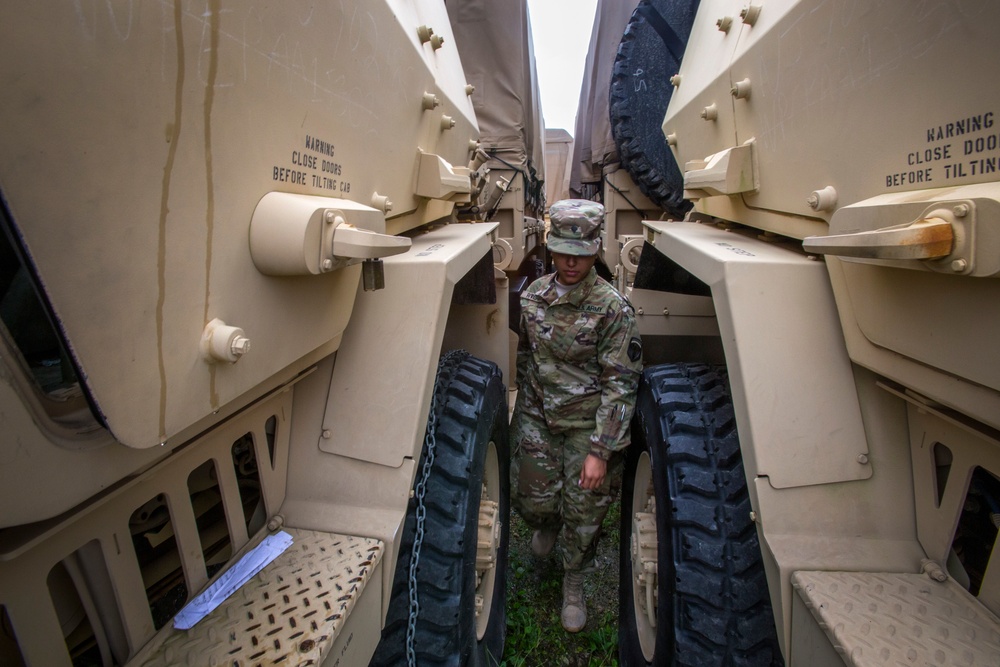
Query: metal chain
(421, 511)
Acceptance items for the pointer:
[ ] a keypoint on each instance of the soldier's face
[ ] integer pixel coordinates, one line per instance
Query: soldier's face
(571, 269)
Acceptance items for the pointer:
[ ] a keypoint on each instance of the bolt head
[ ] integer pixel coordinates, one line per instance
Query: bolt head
(961, 210)
(240, 346)
(959, 265)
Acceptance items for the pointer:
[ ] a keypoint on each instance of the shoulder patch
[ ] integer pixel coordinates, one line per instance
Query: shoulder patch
(634, 349)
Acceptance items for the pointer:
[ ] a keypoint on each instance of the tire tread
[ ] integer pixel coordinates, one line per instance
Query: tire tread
(469, 394)
(721, 612)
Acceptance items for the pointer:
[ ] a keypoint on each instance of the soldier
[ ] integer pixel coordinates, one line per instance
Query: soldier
(578, 364)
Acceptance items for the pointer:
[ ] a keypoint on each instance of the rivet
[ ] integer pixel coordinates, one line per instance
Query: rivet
(711, 112)
(862, 459)
(430, 101)
(753, 516)
(671, 139)
(447, 122)
(750, 14)
(741, 89)
(327, 434)
(675, 80)
(469, 89)
(824, 199)
(724, 23)
(381, 202)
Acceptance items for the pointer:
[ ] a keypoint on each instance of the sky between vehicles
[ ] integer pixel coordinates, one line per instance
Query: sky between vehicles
(561, 34)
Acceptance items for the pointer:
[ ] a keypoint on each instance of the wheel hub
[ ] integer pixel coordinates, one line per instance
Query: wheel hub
(644, 557)
(487, 544)
(644, 554)
(488, 539)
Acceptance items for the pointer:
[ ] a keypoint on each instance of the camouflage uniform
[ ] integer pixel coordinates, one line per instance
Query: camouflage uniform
(578, 365)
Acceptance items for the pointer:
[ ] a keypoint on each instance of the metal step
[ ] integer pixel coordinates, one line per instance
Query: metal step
(296, 611)
(899, 619)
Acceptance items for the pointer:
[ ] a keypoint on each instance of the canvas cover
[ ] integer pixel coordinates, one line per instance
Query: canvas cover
(558, 152)
(495, 44)
(594, 146)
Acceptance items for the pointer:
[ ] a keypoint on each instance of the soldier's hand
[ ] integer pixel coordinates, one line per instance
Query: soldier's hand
(594, 470)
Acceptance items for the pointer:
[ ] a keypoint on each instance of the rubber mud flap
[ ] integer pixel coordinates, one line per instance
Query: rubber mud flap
(649, 54)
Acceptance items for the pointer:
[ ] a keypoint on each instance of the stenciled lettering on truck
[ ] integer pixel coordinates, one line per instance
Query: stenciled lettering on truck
(960, 148)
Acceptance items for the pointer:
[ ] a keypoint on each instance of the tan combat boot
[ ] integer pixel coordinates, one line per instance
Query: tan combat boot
(574, 611)
(542, 541)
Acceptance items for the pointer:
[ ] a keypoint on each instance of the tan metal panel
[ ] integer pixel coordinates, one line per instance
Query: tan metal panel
(885, 87)
(377, 405)
(779, 330)
(138, 148)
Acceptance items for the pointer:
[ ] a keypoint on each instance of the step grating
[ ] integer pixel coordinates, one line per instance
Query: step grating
(900, 619)
(290, 613)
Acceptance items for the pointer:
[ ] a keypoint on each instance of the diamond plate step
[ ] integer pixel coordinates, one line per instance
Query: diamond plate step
(900, 619)
(290, 613)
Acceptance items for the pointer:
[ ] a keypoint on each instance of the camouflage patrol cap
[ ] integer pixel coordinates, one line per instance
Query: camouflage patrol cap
(575, 227)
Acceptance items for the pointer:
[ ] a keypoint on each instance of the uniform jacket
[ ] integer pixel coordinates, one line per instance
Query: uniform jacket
(578, 360)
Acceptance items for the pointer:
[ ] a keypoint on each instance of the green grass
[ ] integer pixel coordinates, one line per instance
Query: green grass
(535, 637)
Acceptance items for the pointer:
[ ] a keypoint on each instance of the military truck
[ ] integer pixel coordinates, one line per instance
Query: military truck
(495, 43)
(815, 472)
(235, 307)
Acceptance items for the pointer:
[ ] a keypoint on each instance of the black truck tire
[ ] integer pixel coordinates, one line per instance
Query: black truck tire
(648, 55)
(685, 491)
(470, 466)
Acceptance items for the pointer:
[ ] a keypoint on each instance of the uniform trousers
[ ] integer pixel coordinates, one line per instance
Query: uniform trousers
(545, 487)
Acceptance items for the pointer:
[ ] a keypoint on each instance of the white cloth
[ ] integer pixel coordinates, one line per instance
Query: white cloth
(241, 572)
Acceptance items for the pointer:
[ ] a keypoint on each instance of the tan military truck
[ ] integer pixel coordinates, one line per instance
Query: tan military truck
(494, 40)
(235, 308)
(815, 477)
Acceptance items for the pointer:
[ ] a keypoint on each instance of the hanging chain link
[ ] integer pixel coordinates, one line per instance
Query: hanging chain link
(421, 510)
